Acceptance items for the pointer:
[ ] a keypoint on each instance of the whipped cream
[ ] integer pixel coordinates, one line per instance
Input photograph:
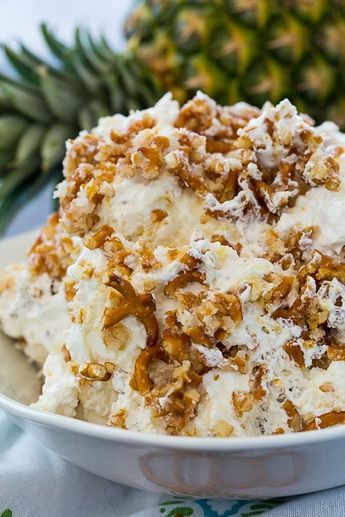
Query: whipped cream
(324, 209)
(181, 307)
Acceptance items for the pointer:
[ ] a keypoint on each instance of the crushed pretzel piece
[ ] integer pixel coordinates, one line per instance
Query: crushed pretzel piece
(118, 419)
(295, 353)
(279, 430)
(141, 379)
(97, 239)
(70, 290)
(177, 345)
(278, 293)
(327, 387)
(95, 372)
(243, 402)
(336, 352)
(182, 280)
(258, 390)
(294, 419)
(223, 429)
(325, 420)
(140, 306)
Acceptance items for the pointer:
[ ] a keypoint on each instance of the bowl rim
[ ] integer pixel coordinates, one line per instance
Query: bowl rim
(191, 443)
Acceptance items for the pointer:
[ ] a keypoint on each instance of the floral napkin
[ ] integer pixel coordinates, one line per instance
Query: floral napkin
(34, 482)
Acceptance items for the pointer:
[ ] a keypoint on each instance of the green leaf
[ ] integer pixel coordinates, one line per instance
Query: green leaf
(149, 95)
(177, 512)
(6, 159)
(29, 144)
(16, 177)
(56, 47)
(105, 49)
(43, 67)
(22, 64)
(101, 50)
(86, 118)
(89, 115)
(99, 108)
(6, 513)
(4, 101)
(11, 127)
(115, 93)
(29, 54)
(128, 82)
(90, 79)
(27, 102)
(53, 145)
(64, 101)
(85, 45)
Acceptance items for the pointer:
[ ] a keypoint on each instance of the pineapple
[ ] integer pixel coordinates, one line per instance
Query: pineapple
(250, 50)
(42, 105)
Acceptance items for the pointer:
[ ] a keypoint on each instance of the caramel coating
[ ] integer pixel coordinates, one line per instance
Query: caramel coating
(142, 306)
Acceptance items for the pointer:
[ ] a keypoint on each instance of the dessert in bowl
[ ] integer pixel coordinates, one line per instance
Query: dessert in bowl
(192, 282)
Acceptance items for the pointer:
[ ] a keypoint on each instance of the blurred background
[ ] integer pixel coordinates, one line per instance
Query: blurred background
(96, 58)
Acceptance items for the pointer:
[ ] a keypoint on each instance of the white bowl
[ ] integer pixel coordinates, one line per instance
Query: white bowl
(257, 467)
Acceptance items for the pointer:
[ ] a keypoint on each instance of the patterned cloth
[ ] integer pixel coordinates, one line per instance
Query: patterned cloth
(36, 483)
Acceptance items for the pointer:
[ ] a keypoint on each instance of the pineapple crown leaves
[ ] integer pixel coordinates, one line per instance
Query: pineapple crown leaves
(42, 104)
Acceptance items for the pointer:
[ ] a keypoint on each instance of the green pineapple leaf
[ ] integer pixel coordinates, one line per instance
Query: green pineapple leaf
(6, 513)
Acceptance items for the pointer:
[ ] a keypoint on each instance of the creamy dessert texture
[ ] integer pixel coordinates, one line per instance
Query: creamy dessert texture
(193, 281)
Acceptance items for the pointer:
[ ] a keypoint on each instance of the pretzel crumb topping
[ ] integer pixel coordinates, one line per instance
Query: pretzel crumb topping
(233, 295)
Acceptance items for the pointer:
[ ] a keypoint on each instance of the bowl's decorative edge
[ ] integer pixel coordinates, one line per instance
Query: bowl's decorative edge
(137, 438)
(14, 247)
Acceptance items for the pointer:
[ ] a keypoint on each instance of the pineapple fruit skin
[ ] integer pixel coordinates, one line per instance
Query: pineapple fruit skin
(252, 50)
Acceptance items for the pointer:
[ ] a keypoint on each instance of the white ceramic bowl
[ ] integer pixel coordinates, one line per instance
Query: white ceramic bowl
(204, 467)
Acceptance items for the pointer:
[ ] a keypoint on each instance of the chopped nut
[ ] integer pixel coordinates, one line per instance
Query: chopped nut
(148, 260)
(116, 337)
(294, 418)
(279, 430)
(295, 353)
(258, 390)
(48, 253)
(229, 304)
(239, 362)
(191, 397)
(70, 290)
(97, 239)
(118, 419)
(177, 345)
(223, 429)
(279, 293)
(326, 387)
(159, 215)
(95, 372)
(66, 354)
(242, 401)
(336, 352)
(110, 367)
(198, 335)
(329, 268)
